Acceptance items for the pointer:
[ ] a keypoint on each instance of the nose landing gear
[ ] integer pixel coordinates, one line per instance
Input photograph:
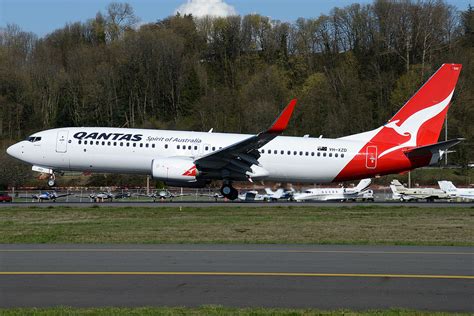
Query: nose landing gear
(229, 192)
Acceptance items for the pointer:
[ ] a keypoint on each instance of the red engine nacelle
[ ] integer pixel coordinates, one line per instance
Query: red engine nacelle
(174, 169)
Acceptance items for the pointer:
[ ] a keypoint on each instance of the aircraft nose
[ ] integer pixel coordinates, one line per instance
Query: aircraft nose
(13, 151)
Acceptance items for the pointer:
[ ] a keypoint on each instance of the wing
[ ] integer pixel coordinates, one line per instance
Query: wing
(239, 161)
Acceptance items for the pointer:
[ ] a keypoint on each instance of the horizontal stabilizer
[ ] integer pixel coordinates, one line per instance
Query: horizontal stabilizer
(437, 148)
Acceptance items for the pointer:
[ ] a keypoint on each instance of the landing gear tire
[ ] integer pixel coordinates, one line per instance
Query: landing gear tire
(52, 181)
(229, 192)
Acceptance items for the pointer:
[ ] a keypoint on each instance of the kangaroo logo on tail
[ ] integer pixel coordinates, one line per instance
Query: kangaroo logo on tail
(412, 125)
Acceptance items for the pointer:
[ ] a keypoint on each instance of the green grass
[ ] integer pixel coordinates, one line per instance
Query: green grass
(206, 310)
(293, 225)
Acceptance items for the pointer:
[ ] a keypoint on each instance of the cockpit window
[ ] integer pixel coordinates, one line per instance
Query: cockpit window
(34, 139)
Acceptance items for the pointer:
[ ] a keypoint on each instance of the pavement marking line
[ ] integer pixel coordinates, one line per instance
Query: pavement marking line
(243, 251)
(256, 274)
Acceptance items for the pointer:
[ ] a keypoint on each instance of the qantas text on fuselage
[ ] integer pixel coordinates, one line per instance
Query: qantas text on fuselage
(408, 140)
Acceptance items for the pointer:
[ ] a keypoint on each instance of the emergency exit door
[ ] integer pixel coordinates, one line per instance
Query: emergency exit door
(371, 157)
(61, 142)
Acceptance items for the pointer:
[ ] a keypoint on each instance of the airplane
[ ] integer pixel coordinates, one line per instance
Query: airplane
(160, 195)
(47, 196)
(409, 140)
(400, 192)
(281, 193)
(336, 194)
(251, 196)
(101, 196)
(452, 191)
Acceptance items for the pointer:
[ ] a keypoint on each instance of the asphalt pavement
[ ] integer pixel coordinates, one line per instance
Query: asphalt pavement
(324, 277)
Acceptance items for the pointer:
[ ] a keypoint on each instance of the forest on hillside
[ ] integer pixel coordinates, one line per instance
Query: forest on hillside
(351, 70)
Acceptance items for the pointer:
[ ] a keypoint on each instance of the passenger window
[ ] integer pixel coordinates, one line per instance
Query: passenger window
(178, 147)
(335, 155)
(134, 145)
(189, 147)
(207, 148)
(312, 153)
(195, 147)
(275, 152)
(269, 151)
(324, 154)
(128, 144)
(121, 144)
(166, 146)
(282, 152)
(213, 148)
(115, 143)
(319, 154)
(342, 155)
(330, 154)
(295, 153)
(85, 142)
(301, 153)
(80, 142)
(147, 145)
(288, 152)
(109, 143)
(97, 142)
(141, 145)
(306, 153)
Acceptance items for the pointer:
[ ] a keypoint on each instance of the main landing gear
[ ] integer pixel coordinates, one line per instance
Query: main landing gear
(228, 191)
(52, 180)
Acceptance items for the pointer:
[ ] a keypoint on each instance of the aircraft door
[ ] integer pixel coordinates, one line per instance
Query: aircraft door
(371, 157)
(61, 142)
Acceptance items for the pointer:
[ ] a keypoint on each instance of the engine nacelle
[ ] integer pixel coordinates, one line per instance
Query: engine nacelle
(174, 169)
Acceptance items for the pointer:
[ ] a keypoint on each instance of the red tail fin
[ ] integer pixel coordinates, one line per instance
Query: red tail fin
(423, 115)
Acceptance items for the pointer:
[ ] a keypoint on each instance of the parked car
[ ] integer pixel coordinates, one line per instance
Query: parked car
(4, 197)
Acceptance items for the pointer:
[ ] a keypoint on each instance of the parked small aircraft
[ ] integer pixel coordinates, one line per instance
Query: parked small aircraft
(163, 195)
(101, 197)
(251, 196)
(280, 194)
(452, 191)
(47, 196)
(400, 192)
(337, 194)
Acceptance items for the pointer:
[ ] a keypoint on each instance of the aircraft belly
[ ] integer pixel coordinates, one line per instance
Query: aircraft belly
(305, 169)
(96, 162)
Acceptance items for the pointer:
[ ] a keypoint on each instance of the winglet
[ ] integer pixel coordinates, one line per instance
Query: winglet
(281, 122)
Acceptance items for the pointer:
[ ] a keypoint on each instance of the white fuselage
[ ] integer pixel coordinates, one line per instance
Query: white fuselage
(331, 194)
(299, 159)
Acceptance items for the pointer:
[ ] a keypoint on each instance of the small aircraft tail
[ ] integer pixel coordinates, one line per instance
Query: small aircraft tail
(363, 184)
(396, 186)
(447, 186)
(269, 191)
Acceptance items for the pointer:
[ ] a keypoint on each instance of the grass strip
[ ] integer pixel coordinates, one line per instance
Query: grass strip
(208, 310)
(281, 224)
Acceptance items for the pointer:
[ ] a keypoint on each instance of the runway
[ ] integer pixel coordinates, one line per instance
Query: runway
(236, 204)
(324, 277)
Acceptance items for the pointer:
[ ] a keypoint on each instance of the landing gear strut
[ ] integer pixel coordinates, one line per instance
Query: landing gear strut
(228, 191)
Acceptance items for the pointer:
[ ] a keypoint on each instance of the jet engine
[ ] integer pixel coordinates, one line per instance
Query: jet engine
(174, 169)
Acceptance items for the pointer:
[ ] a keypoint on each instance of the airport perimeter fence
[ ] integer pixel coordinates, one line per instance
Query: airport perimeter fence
(125, 195)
